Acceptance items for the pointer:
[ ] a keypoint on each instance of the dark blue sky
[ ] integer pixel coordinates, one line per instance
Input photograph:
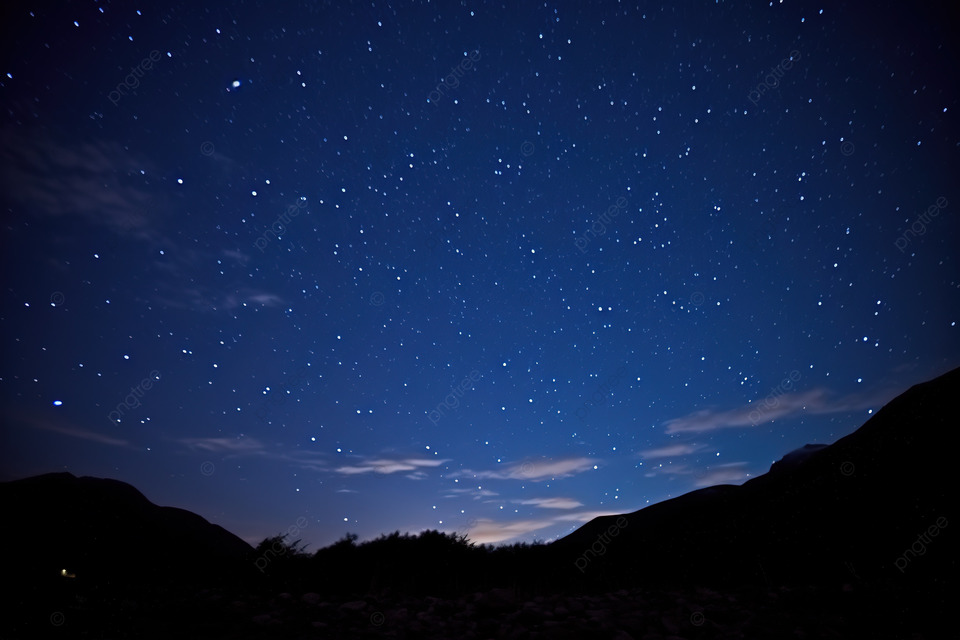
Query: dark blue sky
(476, 267)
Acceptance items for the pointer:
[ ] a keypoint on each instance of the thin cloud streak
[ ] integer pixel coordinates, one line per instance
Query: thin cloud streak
(536, 470)
(233, 447)
(814, 401)
(671, 451)
(487, 531)
(551, 503)
(730, 473)
(386, 466)
(83, 434)
(225, 445)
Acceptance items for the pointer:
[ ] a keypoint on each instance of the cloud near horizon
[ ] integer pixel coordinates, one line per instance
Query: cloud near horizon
(231, 447)
(385, 465)
(486, 531)
(78, 432)
(772, 407)
(536, 470)
(729, 473)
(551, 503)
(671, 451)
(225, 445)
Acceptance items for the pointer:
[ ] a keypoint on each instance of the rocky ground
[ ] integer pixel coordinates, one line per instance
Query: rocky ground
(639, 614)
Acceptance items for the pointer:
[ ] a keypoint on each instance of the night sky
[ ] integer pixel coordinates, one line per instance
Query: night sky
(477, 267)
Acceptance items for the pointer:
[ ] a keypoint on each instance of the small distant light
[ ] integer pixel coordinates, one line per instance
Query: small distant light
(57, 403)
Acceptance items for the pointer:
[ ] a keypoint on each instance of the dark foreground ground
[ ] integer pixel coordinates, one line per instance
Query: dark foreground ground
(503, 613)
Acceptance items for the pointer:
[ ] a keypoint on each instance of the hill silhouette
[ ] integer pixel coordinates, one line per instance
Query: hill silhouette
(830, 535)
(106, 530)
(839, 513)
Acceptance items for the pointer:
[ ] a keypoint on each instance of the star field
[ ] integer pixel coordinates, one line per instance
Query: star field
(473, 267)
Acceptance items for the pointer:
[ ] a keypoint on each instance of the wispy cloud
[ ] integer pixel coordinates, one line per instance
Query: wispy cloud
(266, 299)
(552, 503)
(537, 470)
(98, 180)
(78, 432)
(225, 445)
(655, 470)
(386, 465)
(730, 473)
(193, 298)
(123, 196)
(671, 451)
(813, 401)
(584, 516)
(488, 531)
(477, 494)
(727, 473)
(246, 446)
(312, 461)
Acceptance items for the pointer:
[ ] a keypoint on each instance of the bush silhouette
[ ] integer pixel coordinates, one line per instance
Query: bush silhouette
(280, 561)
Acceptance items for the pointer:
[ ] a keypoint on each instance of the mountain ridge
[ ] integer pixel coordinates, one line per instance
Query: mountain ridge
(106, 528)
(841, 512)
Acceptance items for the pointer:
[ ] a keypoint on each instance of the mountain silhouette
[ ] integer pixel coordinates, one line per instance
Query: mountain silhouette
(877, 507)
(106, 532)
(854, 539)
